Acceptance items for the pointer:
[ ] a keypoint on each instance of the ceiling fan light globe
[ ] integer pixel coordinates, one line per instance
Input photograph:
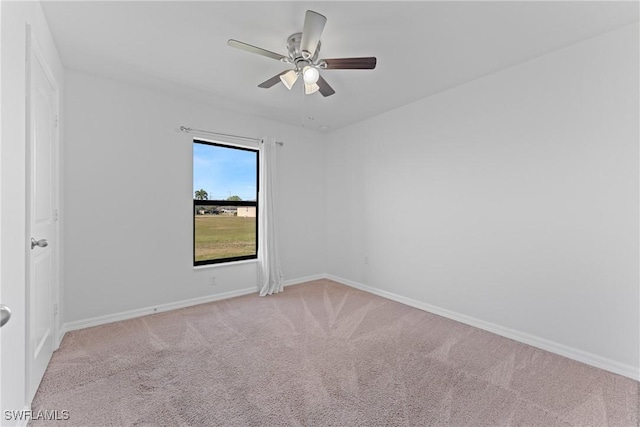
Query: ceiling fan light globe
(312, 88)
(310, 75)
(289, 78)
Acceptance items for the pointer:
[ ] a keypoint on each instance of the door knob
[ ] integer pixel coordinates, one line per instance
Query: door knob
(5, 315)
(39, 243)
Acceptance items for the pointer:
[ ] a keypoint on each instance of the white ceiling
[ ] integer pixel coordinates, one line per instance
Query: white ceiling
(422, 47)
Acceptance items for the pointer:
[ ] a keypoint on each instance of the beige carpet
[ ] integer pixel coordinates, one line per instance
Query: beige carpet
(320, 354)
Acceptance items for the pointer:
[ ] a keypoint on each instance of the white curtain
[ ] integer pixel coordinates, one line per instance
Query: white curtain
(269, 273)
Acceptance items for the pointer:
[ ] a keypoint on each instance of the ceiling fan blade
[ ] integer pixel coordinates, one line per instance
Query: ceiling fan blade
(272, 81)
(311, 32)
(325, 89)
(368, 63)
(254, 49)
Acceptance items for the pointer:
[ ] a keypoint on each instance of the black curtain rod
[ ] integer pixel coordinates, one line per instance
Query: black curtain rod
(188, 130)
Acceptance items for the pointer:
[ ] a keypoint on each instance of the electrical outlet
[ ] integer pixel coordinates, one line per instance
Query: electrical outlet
(55, 309)
(366, 260)
(213, 281)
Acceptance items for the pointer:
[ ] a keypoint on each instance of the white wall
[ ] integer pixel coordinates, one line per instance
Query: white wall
(15, 18)
(512, 200)
(128, 179)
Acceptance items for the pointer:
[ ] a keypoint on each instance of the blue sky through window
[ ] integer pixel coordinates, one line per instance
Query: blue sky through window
(224, 172)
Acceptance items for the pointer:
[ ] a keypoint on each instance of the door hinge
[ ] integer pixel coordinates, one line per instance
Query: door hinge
(55, 121)
(55, 309)
(55, 215)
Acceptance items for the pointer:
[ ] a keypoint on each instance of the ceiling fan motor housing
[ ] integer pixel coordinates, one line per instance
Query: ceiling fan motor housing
(295, 54)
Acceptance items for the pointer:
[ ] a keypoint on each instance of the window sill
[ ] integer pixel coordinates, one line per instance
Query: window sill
(225, 264)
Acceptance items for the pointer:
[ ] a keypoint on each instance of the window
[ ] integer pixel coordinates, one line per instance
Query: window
(225, 206)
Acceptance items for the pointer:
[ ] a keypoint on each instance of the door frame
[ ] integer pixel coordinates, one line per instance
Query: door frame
(1, 94)
(33, 51)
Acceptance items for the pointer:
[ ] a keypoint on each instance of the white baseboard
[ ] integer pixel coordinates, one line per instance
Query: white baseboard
(61, 332)
(553, 347)
(544, 344)
(305, 279)
(110, 318)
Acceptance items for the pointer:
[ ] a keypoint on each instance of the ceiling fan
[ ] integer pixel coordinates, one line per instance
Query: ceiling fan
(302, 52)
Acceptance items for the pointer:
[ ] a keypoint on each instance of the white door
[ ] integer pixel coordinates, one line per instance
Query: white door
(42, 213)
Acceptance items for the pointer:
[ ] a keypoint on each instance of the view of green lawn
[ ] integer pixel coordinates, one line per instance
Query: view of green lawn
(221, 236)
